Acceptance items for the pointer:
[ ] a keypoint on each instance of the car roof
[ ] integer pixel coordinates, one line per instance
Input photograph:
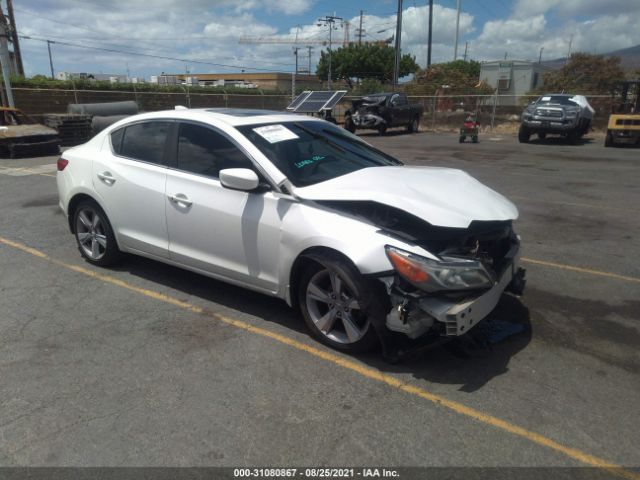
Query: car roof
(231, 116)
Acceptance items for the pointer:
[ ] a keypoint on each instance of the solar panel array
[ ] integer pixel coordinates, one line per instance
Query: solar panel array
(298, 100)
(313, 102)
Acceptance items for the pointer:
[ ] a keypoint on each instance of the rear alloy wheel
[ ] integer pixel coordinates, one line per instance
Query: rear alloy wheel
(335, 302)
(523, 134)
(94, 235)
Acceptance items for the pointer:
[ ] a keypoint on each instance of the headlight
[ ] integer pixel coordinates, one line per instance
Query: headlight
(451, 273)
(571, 113)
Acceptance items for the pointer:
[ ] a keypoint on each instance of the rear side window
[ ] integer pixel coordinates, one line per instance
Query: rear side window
(116, 140)
(204, 151)
(145, 141)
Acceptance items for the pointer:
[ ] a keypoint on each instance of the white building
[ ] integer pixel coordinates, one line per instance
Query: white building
(100, 77)
(512, 78)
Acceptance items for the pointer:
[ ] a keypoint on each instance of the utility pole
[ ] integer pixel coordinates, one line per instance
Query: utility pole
(14, 37)
(430, 33)
(329, 21)
(293, 76)
(396, 70)
(455, 49)
(360, 32)
(310, 48)
(5, 60)
(49, 42)
(466, 47)
(569, 53)
(540, 56)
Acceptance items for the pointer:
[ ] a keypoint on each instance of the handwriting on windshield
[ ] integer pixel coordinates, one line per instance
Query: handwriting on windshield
(309, 161)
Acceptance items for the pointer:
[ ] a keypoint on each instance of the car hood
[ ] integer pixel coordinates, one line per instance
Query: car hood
(441, 196)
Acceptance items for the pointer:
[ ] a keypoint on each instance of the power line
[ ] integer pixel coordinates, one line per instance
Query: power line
(149, 55)
(148, 50)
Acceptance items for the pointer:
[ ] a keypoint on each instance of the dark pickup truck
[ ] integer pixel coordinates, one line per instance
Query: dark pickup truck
(382, 111)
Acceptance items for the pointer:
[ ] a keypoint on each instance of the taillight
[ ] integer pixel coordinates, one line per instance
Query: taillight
(62, 164)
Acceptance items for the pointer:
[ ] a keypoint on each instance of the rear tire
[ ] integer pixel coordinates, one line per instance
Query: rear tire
(94, 235)
(337, 305)
(474, 139)
(523, 134)
(462, 138)
(414, 125)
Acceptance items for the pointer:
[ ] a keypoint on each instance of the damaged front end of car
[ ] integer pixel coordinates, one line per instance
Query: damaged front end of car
(446, 293)
(367, 112)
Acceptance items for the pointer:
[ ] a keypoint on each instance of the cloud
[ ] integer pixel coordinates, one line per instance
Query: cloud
(575, 8)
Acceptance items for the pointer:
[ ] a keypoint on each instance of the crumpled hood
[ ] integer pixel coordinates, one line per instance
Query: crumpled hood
(441, 196)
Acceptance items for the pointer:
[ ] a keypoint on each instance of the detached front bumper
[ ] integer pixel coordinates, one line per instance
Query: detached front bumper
(453, 318)
(368, 120)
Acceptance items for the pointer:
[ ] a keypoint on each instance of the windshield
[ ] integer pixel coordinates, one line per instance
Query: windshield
(557, 100)
(310, 152)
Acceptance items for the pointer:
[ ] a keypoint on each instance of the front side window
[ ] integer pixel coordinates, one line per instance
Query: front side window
(145, 141)
(204, 151)
(309, 152)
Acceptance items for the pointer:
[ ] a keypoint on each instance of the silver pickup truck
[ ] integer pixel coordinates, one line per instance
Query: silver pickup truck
(558, 113)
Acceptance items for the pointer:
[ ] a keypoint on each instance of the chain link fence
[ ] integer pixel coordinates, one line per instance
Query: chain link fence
(439, 110)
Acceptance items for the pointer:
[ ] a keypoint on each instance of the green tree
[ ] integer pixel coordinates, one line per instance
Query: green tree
(585, 74)
(461, 77)
(369, 60)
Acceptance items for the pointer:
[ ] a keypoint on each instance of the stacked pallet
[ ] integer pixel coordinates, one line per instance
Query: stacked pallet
(73, 129)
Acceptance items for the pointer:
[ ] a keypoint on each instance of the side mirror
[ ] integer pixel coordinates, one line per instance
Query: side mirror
(242, 179)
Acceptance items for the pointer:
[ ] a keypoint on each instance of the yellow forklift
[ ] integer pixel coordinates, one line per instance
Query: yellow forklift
(624, 121)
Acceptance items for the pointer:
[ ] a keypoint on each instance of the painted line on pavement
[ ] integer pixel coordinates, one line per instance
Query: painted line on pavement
(581, 270)
(353, 366)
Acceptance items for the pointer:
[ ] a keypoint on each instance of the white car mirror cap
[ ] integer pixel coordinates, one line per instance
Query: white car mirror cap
(239, 179)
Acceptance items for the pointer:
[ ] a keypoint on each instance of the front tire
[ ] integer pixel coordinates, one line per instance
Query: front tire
(338, 305)
(523, 134)
(382, 128)
(608, 140)
(94, 235)
(349, 124)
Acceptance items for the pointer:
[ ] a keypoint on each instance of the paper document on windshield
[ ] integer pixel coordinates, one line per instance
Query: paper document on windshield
(275, 133)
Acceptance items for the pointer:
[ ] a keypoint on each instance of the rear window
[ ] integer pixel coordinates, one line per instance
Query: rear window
(145, 141)
(116, 140)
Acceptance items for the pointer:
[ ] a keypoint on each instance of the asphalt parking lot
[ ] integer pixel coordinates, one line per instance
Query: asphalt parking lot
(145, 364)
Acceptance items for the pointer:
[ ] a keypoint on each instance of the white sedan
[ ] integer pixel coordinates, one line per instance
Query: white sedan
(369, 250)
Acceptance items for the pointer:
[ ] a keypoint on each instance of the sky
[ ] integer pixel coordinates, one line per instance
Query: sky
(204, 36)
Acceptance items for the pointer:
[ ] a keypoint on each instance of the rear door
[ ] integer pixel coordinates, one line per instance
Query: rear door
(130, 180)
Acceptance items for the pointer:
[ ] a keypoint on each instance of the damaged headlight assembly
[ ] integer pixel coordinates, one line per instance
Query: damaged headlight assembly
(451, 273)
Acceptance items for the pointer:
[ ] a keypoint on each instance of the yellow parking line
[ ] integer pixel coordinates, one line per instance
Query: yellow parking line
(348, 364)
(581, 270)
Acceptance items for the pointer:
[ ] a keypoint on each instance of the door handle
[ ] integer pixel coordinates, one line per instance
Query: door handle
(180, 198)
(107, 178)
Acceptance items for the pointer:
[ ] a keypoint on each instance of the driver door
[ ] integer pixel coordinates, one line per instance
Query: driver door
(230, 234)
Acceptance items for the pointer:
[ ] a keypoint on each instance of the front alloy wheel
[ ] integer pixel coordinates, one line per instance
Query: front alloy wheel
(334, 302)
